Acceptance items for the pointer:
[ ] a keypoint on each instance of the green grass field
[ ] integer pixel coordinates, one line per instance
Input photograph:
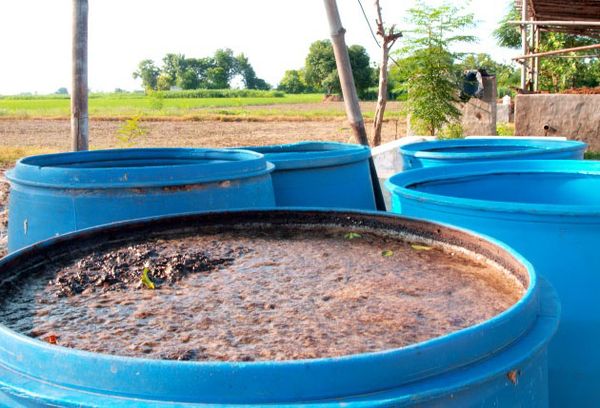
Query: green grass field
(116, 106)
(119, 106)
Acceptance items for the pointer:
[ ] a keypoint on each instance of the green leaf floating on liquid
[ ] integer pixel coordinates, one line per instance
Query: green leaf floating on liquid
(146, 279)
(421, 247)
(352, 235)
(387, 252)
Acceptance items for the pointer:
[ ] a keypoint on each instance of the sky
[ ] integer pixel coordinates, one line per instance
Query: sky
(35, 45)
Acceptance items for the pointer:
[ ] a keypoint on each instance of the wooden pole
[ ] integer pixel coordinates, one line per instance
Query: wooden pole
(536, 60)
(345, 73)
(524, 45)
(353, 112)
(79, 91)
(556, 52)
(557, 23)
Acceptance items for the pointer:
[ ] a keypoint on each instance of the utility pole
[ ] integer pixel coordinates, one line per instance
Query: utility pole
(79, 85)
(353, 112)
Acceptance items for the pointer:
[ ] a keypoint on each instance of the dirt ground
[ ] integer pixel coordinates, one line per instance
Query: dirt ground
(54, 134)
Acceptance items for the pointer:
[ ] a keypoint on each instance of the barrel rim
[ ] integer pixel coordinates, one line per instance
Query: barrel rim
(49, 171)
(400, 183)
(418, 149)
(312, 154)
(276, 381)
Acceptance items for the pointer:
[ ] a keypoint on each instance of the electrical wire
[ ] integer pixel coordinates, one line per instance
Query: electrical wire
(373, 32)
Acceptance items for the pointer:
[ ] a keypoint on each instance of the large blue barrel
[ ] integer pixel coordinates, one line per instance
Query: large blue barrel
(499, 362)
(58, 193)
(550, 212)
(457, 151)
(321, 174)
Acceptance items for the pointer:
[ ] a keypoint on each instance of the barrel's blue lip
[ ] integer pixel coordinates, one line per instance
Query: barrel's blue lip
(422, 149)
(312, 154)
(53, 171)
(411, 363)
(401, 183)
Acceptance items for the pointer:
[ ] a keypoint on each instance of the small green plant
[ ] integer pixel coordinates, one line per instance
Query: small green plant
(453, 130)
(352, 235)
(130, 132)
(146, 281)
(157, 101)
(592, 155)
(505, 129)
(430, 66)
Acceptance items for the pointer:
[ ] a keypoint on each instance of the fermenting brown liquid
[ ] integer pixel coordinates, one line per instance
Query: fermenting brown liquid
(270, 295)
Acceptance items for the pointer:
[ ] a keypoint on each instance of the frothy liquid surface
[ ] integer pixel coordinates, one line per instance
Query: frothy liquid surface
(270, 295)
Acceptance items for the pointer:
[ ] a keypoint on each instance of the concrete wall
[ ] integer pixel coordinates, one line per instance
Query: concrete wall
(479, 115)
(574, 116)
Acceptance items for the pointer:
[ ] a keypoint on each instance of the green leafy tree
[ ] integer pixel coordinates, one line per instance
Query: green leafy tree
(320, 70)
(319, 64)
(364, 75)
(293, 82)
(188, 79)
(148, 72)
(509, 35)
(249, 78)
(216, 78)
(433, 76)
(173, 66)
(163, 83)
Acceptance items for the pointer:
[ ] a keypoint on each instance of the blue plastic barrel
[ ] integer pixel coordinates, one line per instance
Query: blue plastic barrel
(499, 362)
(321, 174)
(457, 151)
(550, 212)
(58, 193)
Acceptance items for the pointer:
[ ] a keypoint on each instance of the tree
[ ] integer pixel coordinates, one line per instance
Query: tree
(434, 80)
(293, 82)
(249, 78)
(388, 39)
(164, 82)
(362, 72)
(149, 73)
(62, 91)
(319, 65)
(173, 66)
(188, 79)
(320, 70)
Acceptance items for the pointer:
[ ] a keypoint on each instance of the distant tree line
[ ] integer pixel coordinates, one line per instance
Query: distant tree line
(215, 72)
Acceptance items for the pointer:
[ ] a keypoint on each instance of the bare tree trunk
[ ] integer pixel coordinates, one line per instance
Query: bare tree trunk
(79, 91)
(388, 39)
(381, 98)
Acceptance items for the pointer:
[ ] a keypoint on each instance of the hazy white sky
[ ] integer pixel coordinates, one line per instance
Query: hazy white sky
(35, 42)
